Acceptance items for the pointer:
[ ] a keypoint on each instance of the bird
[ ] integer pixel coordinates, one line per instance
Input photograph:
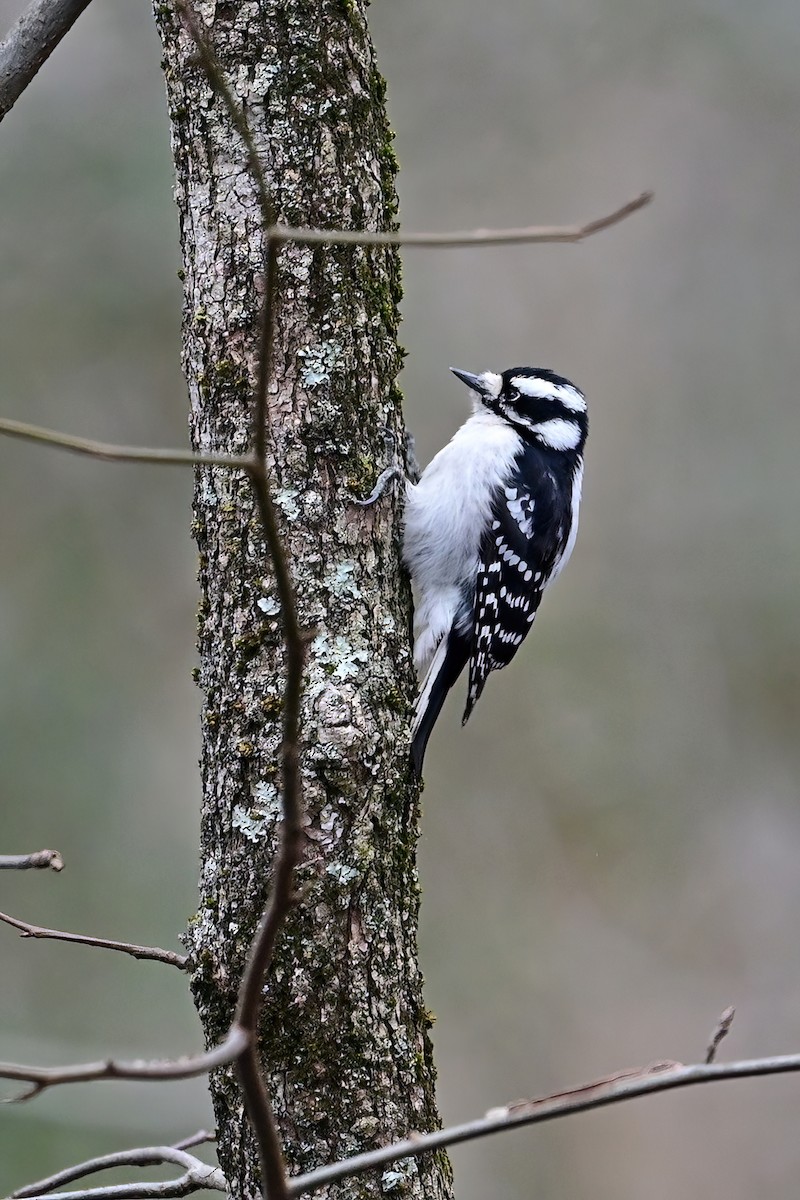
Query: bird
(489, 525)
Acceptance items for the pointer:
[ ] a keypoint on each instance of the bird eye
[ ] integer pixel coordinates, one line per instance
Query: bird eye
(512, 394)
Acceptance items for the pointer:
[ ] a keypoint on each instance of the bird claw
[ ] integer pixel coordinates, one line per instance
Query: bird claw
(395, 470)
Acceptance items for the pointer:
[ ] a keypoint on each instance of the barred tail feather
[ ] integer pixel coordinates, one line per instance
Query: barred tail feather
(448, 663)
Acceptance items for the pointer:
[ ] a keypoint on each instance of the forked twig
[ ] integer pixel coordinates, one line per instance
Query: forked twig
(625, 1085)
(198, 1176)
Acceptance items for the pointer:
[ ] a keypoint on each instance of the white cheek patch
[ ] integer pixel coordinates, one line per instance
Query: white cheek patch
(558, 434)
(569, 396)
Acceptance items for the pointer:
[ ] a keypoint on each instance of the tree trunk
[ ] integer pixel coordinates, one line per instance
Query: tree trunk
(343, 1034)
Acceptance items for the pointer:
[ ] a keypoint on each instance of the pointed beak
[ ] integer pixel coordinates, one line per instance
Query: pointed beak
(472, 381)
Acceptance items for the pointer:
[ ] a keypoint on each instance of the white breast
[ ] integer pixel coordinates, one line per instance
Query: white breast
(446, 515)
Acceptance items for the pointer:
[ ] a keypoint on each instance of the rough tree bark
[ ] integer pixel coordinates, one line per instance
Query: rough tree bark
(343, 1033)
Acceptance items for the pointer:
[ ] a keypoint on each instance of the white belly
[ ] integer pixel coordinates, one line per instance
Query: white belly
(446, 515)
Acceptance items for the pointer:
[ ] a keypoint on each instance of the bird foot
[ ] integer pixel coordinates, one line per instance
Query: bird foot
(404, 468)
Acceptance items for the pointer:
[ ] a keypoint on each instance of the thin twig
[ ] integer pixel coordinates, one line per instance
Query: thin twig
(452, 239)
(625, 1085)
(31, 42)
(38, 861)
(115, 453)
(200, 1179)
(722, 1030)
(195, 1139)
(41, 1078)
(141, 1157)
(146, 1156)
(149, 953)
(281, 900)
(275, 235)
(198, 1176)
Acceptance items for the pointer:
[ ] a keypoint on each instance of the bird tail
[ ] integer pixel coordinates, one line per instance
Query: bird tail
(448, 663)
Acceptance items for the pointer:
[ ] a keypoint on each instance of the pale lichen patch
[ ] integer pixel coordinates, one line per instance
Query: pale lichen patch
(319, 362)
(269, 605)
(286, 500)
(399, 1175)
(253, 826)
(341, 581)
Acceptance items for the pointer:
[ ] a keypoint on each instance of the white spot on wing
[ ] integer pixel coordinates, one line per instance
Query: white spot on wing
(522, 512)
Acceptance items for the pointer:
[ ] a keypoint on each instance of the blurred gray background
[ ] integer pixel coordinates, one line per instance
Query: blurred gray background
(611, 849)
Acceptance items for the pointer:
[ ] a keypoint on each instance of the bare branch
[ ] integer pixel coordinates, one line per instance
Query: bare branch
(722, 1030)
(198, 1180)
(114, 453)
(195, 1139)
(198, 1176)
(275, 235)
(154, 1070)
(31, 42)
(27, 862)
(625, 1085)
(452, 239)
(150, 953)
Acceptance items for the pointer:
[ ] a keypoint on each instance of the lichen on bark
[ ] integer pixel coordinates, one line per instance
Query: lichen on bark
(344, 1031)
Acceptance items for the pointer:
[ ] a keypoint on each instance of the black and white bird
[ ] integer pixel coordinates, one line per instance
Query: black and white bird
(490, 524)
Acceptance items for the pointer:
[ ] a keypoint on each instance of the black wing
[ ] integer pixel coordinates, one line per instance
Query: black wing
(518, 553)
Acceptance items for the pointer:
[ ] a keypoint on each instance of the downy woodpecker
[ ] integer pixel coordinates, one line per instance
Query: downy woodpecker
(490, 524)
